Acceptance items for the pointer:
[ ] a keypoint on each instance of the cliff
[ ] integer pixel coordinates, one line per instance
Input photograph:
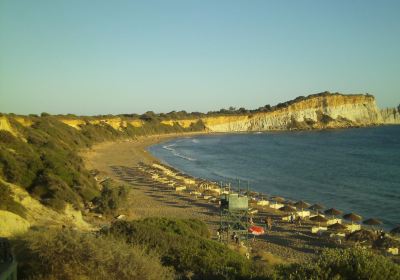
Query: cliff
(314, 112)
(390, 116)
(317, 111)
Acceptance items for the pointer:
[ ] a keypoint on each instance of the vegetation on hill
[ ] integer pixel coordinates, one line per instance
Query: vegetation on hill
(43, 158)
(8, 203)
(69, 255)
(342, 264)
(184, 245)
(160, 248)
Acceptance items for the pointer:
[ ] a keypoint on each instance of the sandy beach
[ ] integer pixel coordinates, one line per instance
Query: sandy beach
(153, 194)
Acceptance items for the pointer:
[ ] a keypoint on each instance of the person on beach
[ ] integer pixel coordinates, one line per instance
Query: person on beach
(291, 218)
(266, 223)
(269, 223)
(298, 221)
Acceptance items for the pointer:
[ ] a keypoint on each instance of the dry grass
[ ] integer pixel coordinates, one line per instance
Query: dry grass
(67, 254)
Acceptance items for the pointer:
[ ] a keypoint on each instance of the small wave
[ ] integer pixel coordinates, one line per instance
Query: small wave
(195, 141)
(168, 147)
(175, 153)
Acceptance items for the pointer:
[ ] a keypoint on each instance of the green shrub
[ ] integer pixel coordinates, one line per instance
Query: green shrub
(7, 202)
(67, 254)
(341, 264)
(184, 244)
(110, 199)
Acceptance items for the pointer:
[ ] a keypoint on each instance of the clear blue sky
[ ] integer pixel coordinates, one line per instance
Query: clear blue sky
(98, 57)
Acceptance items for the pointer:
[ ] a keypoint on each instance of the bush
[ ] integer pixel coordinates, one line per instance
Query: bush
(66, 254)
(343, 264)
(184, 244)
(8, 203)
(110, 199)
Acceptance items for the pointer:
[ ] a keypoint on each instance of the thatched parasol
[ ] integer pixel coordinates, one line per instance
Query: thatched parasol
(362, 235)
(333, 212)
(352, 217)
(318, 219)
(396, 230)
(337, 227)
(277, 199)
(316, 207)
(372, 222)
(386, 242)
(302, 204)
(287, 208)
(289, 202)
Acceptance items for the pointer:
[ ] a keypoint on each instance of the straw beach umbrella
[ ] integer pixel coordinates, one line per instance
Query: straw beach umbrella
(396, 230)
(302, 204)
(289, 202)
(277, 199)
(318, 219)
(287, 209)
(316, 207)
(372, 222)
(352, 217)
(333, 212)
(337, 227)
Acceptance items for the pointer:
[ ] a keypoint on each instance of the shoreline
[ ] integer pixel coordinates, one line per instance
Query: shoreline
(150, 197)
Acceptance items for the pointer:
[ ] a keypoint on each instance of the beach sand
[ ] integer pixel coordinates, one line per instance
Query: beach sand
(125, 161)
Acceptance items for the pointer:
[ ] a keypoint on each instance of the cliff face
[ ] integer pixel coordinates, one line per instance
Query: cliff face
(390, 116)
(332, 111)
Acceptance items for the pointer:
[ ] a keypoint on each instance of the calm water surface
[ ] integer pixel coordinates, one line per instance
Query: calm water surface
(354, 170)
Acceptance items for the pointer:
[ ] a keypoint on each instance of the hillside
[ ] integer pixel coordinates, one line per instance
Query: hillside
(40, 153)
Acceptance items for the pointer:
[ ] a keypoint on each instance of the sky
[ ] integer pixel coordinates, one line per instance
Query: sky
(112, 57)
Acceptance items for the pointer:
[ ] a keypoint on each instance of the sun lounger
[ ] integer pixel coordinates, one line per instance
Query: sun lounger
(303, 214)
(262, 202)
(276, 205)
(353, 227)
(318, 230)
(333, 221)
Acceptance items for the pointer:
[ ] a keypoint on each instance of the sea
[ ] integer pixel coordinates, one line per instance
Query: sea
(354, 170)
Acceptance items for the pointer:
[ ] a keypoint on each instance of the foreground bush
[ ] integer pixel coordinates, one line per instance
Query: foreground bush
(67, 254)
(184, 244)
(343, 264)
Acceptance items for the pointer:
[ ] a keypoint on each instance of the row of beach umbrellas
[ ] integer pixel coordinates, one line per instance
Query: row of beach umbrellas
(290, 207)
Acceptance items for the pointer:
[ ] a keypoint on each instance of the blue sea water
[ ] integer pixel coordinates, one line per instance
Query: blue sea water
(355, 170)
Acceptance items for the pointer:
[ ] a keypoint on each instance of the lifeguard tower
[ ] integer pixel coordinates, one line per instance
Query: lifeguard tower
(234, 216)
